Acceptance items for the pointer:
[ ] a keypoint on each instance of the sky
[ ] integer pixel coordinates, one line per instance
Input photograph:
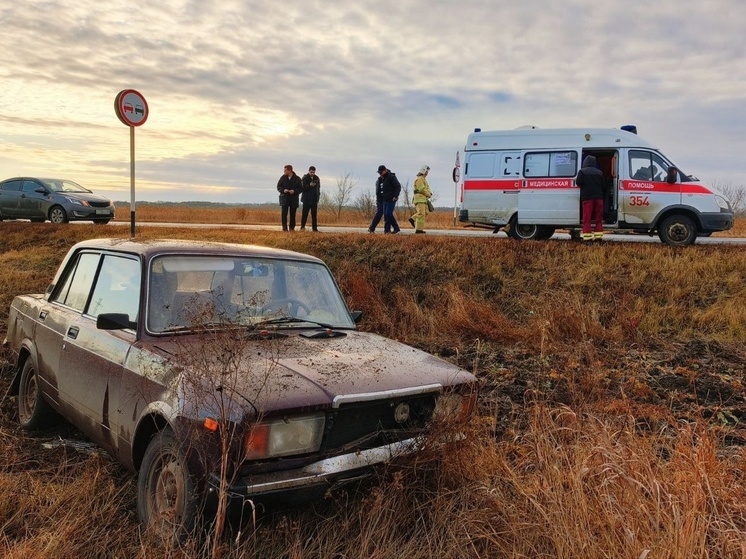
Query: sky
(238, 88)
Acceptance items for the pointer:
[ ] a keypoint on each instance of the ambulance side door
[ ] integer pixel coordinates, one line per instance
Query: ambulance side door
(548, 194)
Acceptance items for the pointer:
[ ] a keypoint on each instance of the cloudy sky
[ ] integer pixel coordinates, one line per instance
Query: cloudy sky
(238, 88)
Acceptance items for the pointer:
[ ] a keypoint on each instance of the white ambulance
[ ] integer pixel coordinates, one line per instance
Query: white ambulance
(524, 180)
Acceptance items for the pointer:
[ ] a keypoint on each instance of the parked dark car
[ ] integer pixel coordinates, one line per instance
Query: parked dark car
(173, 355)
(56, 200)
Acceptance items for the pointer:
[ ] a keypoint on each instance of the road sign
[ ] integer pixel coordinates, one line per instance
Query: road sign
(131, 107)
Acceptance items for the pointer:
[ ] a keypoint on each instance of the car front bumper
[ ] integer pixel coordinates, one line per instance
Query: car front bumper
(288, 485)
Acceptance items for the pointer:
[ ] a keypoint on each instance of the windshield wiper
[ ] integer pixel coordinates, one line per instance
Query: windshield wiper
(292, 320)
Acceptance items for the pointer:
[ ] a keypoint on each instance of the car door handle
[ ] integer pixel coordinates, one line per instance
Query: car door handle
(43, 315)
(73, 332)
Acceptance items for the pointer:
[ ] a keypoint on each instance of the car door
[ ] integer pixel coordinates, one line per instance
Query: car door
(31, 203)
(645, 192)
(10, 192)
(91, 363)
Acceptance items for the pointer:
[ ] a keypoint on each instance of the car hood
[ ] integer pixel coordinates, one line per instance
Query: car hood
(301, 374)
(86, 196)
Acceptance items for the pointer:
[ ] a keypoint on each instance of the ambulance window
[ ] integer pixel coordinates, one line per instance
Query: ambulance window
(481, 165)
(551, 164)
(647, 166)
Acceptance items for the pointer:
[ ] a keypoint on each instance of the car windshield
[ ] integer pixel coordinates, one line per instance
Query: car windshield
(61, 185)
(188, 292)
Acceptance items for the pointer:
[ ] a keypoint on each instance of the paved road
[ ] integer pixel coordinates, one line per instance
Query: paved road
(463, 232)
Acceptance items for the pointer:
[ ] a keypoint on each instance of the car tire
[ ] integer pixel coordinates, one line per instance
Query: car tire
(57, 214)
(167, 501)
(523, 232)
(34, 412)
(678, 231)
(38, 220)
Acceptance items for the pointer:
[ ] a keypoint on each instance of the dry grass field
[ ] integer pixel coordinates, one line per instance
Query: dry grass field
(611, 418)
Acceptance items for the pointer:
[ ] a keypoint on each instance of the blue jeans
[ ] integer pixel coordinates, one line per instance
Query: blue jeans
(390, 224)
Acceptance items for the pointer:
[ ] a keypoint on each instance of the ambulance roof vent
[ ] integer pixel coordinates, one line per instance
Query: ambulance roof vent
(630, 128)
(527, 127)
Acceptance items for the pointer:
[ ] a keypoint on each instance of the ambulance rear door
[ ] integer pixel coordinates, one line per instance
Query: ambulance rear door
(548, 194)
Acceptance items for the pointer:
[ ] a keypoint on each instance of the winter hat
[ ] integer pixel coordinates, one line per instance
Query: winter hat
(381, 168)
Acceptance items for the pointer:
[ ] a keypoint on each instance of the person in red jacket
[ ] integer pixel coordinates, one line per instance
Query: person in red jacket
(592, 183)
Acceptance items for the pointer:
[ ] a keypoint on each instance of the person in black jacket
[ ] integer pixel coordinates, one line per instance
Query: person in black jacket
(311, 185)
(289, 187)
(379, 205)
(390, 190)
(592, 183)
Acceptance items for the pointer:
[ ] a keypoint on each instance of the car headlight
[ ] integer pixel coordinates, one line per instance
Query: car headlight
(722, 202)
(284, 437)
(76, 201)
(452, 406)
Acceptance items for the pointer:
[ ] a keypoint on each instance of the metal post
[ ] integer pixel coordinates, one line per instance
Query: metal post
(132, 181)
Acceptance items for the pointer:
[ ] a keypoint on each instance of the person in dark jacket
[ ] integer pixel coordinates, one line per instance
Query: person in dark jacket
(379, 205)
(310, 195)
(592, 183)
(289, 187)
(390, 190)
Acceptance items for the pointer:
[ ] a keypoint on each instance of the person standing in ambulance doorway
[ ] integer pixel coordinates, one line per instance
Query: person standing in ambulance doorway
(592, 183)
(289, 187)
(390, 190)
(310, 196)
(422, 194)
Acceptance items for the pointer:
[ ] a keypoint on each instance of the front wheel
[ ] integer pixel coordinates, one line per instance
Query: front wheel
(167, 501)
(57, 214)
(33, 410)
(677, 230)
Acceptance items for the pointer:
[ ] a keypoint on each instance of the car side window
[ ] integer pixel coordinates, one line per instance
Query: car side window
(77, 285)
(30, 186)
(11, 186)
(117, 288)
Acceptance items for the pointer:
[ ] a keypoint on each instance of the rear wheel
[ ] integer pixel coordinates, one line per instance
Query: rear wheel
(677, 230)
(523, 232)
(167, 500)
(38, 220)
(545, 232)
(33, 410)
(57, 214)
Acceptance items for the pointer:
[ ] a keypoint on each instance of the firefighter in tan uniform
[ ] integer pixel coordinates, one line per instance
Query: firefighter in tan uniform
(422, 194)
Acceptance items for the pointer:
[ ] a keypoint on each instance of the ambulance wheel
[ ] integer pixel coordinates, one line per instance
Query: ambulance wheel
(677, 230)
(545, 232)
(523, 232)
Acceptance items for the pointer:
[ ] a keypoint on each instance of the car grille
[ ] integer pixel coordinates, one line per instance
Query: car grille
(99, 204)
(374, 423)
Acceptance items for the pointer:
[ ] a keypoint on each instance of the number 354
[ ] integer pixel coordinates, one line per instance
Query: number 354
(639, 201)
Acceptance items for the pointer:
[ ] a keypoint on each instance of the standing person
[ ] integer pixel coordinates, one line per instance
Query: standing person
(310, 196)
(390, 190)
(422, 194)
(379, 205)
(591, 182)
(289, 187)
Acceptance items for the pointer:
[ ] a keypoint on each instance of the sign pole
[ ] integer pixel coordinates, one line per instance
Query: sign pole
(132, 181)
(456, 179)
(132, 110)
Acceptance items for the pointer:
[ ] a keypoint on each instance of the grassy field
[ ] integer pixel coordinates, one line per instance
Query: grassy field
(610, 421)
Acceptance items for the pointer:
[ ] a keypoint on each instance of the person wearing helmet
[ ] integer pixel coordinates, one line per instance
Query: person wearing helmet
(422, 194)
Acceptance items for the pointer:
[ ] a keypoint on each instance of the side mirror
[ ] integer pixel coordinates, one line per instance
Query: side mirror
(356, 316)
(114, 321)
(672, 175)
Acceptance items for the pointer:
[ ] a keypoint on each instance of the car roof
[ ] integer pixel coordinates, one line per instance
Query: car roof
(154, 247)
